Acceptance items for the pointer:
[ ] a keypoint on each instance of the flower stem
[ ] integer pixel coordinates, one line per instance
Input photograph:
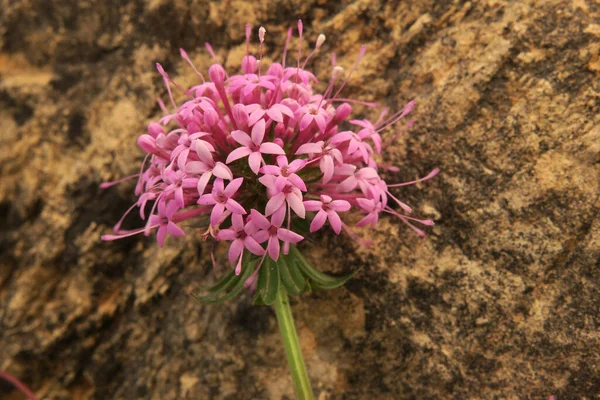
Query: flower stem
(292, 346)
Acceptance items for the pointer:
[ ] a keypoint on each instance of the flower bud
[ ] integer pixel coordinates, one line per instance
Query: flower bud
(240, 115)
(278, 141)
(216, 73)
(211, 118)
(275, 69)
(249, 64)
(154, 129)
(147, 143)
(342, 112)
(320, 40)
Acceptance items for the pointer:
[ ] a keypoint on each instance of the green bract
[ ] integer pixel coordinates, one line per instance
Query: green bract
(291, 272)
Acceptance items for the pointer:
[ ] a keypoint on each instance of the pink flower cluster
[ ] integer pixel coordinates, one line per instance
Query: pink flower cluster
(257, 150)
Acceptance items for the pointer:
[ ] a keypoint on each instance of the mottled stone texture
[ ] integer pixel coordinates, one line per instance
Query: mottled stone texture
(501, 300)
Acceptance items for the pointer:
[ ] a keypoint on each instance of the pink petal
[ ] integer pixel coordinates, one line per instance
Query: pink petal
(235, 250)
(278, 216)
(238, 153)
(161, 207)
(296, 165)
(297, 181)
(366, 204)
(283, 109)
(274, 203)
(249, 88)
(273, 248)
(282, 161)
(195, 167)
(339, 205)
(233, 187)
(202, 182)
(161, 234)
(260, 220)
(261, 236)
(216, 214)
(235, 207)
(327, 168)
(312, 205)
(218, 186)
(237, 222)
(171, 209)
(270, 169)
(271, 148)
(222, 171)
(203, 151)
(305, 121)
(342, 137)
(318, 221)
(348, 184)
(179, 197)
(268, 181)
(370, 219)
(310, 148)
(321, 123)
(253, 246)
(255, 116)
(279, 183)
(206, 200)
(258, 132)
(295, 202)
(335, 221)
(174, 230)
(288, 236)
(227, 234)
(154, 220)
(254, 161)
(275, 115)
(266, 84)
(241, 137)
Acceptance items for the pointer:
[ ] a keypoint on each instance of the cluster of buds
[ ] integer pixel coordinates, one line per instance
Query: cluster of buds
(255, 152)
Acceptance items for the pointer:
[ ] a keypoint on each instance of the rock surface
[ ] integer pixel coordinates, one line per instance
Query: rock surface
(501, 300)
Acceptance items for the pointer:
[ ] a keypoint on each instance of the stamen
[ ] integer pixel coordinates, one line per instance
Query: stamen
(185, 56)
(285, 47)
(248, 34)
(300, 29)
(320, 41)
(429, 176)
(397, 116)
(361, 54)
(106, 185)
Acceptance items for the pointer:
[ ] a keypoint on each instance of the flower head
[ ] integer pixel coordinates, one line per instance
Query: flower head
(259, 150)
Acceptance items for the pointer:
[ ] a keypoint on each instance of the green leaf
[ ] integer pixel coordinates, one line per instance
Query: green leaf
(268, 281)
(294, 282)
(231, 288)
(319, 279)
(222, 284)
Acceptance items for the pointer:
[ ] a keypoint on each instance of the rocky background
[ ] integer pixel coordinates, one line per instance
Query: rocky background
(501, 300)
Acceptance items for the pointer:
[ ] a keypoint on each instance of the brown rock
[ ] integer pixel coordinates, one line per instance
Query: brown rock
(499, 301)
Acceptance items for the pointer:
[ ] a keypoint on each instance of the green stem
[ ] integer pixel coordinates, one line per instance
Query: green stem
(292, 346)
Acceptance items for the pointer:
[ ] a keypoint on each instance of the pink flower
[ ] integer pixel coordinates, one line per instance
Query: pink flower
(328, 155)
(272, 232)
(221, 199)
(277, 176)
(312, 113)
(327, 210)
(291, 134)
(241, 236)
(253, 147)
(275, 112)
(372, 208)
(164, 221)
